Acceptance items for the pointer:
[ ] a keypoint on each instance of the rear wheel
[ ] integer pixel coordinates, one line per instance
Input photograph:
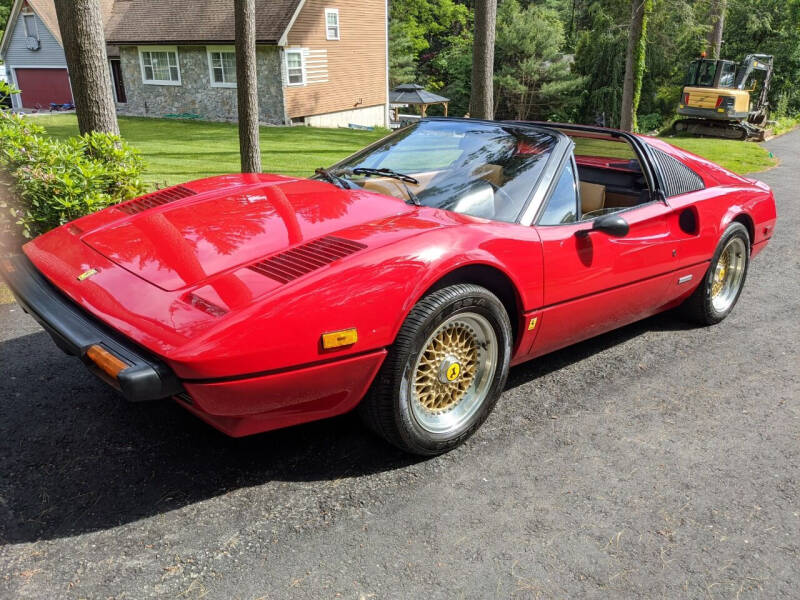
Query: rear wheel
(444, 373)
(722, 285)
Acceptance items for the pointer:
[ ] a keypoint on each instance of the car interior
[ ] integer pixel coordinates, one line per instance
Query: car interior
(609, 174)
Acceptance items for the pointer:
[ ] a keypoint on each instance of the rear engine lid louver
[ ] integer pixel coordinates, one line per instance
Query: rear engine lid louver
(291, 264)
(158, 198)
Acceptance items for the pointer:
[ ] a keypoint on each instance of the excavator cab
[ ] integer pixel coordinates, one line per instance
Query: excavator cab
(717, 99)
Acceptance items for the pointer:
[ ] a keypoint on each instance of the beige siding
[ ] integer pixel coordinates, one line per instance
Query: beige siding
(342, 74)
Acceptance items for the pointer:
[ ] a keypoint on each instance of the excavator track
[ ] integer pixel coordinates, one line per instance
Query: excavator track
(731, 130)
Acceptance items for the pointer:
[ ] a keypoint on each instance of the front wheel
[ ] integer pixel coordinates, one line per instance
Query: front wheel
(722, 285)
(444, 373)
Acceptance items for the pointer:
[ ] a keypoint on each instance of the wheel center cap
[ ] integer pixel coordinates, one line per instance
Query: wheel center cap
(449, 370)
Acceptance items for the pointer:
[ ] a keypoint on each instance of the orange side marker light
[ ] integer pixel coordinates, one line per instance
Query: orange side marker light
(106, 362)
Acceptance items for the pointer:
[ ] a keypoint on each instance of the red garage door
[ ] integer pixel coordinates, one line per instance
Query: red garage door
(40, 87)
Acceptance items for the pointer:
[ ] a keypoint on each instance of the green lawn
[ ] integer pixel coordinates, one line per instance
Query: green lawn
(739, 157)
(177, 151)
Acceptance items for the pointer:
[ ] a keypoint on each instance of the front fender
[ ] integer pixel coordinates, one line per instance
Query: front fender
(371, 291)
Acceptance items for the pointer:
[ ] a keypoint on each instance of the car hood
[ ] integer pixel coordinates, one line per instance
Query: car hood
(191, 236)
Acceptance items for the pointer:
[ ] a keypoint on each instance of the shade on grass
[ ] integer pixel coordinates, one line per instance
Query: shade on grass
(177, 151)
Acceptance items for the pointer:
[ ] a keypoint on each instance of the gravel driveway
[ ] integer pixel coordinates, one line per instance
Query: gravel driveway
(655, 461)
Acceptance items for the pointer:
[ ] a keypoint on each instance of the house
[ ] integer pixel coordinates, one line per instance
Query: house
(320, 62)
(34, 55)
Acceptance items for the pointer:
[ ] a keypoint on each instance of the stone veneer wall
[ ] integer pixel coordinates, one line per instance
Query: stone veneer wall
(195, 94)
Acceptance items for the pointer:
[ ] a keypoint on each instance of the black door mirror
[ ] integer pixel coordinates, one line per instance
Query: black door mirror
(612, 224)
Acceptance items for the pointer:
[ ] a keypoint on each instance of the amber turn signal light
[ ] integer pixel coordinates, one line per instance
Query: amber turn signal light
(337, 339)
(107, 362)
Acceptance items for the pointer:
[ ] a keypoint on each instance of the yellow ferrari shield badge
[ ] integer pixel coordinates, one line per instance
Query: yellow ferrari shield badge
(453, 371)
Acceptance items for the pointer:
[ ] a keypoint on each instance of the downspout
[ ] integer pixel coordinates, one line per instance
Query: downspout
(386, 117)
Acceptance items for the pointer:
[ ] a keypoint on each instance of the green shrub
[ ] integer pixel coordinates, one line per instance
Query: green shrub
(57, 181)
(650, 122)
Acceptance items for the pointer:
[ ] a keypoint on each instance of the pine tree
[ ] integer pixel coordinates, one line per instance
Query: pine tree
(81, 25)
(247, 85)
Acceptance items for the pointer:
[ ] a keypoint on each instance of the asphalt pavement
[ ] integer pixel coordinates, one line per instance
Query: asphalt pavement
(657, 461)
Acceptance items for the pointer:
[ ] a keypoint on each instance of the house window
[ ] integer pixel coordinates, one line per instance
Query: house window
(160, 65)
(294, 67)
(31, 29)
(222, 66)
(332, 23)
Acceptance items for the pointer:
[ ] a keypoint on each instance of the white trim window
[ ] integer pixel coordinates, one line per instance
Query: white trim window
(332, 23)
(295, 67)
(222, 66)
(160, 65)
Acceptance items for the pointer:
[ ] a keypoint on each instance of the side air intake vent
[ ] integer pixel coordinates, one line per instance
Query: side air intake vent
(288, 266)
(676, 177)
(158, 198)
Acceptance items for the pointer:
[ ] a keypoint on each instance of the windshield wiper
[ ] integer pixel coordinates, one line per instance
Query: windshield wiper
(385, 173)
(403, 178)
(331, 177)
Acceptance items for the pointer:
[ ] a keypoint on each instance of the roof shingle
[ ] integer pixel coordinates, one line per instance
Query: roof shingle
(186, 21)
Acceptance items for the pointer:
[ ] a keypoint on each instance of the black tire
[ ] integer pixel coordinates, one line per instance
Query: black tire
(387, 407)
(699, 307)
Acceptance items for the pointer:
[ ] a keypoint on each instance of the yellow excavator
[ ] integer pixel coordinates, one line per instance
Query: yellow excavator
(718, 98)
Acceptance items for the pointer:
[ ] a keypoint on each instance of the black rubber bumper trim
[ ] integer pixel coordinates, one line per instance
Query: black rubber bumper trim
(74, 331)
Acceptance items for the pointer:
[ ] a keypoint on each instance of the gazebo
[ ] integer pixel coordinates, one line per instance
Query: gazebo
(411, 93)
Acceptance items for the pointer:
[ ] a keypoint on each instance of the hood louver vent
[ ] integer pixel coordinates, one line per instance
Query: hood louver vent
(288, 266)
(158, 198)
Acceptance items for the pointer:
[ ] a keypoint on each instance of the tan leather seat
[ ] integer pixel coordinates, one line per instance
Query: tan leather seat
(593, 197)
(491, 173)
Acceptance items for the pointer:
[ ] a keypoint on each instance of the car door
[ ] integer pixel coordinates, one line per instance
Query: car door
(595, 281)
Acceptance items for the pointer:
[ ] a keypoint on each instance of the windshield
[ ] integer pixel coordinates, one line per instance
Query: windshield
(480, 169)
(701, 73)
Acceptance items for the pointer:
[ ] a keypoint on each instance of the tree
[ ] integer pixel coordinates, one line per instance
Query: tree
(482, 99)
(81, 25)
(634, 63)
(718, 8)
(247, 85)
(534, 79)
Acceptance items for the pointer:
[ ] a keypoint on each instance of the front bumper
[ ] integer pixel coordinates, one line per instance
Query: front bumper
(75, 331)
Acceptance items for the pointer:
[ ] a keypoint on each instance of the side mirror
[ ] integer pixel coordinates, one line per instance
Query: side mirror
(612, 224)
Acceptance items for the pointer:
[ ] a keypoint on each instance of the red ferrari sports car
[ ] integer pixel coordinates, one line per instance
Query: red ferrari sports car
(404, 280)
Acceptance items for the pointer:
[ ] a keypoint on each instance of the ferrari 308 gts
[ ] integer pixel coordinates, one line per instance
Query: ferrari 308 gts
(402, 281)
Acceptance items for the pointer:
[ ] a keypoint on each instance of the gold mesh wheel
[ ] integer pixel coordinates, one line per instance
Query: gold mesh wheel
(728, 274)
(453, 372)
(447, 368)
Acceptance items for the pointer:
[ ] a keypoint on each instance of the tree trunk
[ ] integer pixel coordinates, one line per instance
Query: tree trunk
(717, 27)
(481, 101)
(81, 25)
(247, 85)
(634, 64)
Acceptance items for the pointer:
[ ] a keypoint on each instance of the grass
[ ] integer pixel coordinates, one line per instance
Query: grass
(177, 151)
(785, 125)
(739, 157)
